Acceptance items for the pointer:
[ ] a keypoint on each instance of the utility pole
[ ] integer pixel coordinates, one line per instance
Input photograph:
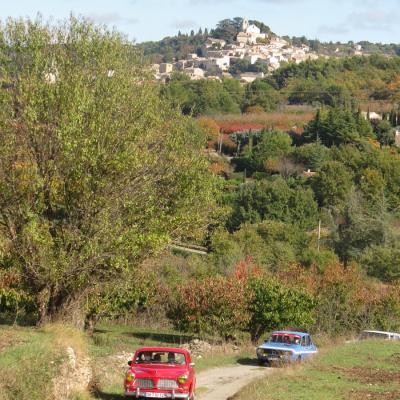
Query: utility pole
(319, 233)
(220, 143)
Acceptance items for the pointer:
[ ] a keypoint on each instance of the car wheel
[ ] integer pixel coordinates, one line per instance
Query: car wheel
(298, 359)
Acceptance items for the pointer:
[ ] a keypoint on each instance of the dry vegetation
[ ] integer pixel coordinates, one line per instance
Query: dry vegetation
(290, 118)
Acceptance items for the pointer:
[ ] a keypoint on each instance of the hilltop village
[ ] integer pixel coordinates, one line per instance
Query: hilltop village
(217, 56)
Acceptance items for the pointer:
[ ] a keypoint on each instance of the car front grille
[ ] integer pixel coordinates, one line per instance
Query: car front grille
(144, 383)
(277, 353)
(273, 352)
(167, 384)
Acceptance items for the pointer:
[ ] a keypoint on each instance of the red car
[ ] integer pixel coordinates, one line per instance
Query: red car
(160, 373)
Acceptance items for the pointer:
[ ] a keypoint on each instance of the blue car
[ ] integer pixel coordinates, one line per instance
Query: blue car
(286, 347)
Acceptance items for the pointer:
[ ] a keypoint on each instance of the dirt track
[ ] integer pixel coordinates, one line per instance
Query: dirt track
(222, 383)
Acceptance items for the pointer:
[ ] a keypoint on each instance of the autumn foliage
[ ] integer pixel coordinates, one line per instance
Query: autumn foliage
(210, 127)
(346, 299)
(233, 127)
(337, 300)
(210, 305)
(248, 300)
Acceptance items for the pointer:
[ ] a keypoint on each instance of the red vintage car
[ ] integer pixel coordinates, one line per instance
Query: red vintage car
(160, 373)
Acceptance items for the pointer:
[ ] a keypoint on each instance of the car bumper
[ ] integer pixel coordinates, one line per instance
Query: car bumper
(275, 359)
(156, 395)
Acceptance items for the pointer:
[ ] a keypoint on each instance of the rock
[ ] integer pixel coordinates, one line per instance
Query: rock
(74, 377)
(197, 346)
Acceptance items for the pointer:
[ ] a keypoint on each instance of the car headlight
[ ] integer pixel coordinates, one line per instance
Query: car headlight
(182, 379)
(129, 377)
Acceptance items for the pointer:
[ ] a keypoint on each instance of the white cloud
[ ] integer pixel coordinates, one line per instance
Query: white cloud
(112, 18)
(184, 24)
(368, 20)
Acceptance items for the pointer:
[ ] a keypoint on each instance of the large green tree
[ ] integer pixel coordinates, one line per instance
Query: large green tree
(338, 126)
(96, 172)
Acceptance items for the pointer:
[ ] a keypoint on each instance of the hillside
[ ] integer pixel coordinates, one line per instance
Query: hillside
(359, 82)
(180, 46)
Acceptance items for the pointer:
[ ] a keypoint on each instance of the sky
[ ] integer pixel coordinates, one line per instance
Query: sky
(142, 20)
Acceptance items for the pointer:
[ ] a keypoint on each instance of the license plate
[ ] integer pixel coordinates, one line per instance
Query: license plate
(154, 395)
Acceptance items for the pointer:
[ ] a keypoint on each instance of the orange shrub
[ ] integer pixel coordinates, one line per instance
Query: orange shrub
(210, 127)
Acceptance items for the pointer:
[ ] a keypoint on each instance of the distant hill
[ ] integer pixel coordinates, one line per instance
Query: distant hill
(179, 46)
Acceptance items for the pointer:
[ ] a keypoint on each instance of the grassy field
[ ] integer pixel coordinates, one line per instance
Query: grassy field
(31, 358)
(111, 345)
(354, 371)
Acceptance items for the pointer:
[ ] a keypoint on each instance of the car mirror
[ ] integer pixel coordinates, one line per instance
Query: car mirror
(130, 362)
(192, 365)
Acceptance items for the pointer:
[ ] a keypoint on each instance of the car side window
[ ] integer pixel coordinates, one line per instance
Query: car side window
(308, 341)
(303, 341)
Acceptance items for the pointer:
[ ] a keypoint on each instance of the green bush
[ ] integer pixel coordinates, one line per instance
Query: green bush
(276, 306)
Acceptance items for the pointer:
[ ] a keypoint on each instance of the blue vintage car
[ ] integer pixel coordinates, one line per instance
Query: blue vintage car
(285, 347)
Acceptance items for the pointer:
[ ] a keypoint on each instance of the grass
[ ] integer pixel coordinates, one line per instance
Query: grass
(29, 360)
(355, 371)
(32, 360)
(113, 339)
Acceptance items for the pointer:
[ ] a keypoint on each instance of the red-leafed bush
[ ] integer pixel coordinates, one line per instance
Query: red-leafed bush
(213, 305)
(246, 269)
(228, 145)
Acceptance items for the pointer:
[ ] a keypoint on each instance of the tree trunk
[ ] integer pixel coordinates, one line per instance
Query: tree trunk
(42, 301)
(90, 322)
(60, 309)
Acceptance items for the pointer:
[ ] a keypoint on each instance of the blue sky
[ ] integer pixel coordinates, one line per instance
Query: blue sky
(336, 20)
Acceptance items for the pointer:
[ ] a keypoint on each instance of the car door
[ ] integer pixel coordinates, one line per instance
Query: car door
(313, 347)
(308, 346)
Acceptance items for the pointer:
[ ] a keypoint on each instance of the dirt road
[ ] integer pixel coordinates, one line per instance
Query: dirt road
(222, 383)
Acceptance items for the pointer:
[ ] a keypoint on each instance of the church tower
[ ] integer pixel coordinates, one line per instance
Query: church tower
(245, 25)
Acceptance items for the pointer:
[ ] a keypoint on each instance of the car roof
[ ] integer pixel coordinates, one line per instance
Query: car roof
(292, 333)
(382, 332)
(163, 349)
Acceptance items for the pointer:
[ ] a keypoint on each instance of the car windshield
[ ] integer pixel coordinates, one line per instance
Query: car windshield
(284, 339)
(378, 335)
(160, 357)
